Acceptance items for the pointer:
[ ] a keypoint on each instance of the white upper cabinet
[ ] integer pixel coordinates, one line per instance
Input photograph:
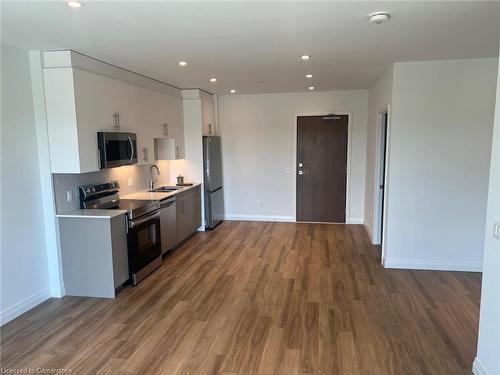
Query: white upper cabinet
(209, 123)
(166, 117)
(85, 96)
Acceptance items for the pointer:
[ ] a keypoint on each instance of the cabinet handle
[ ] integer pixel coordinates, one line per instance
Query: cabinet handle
(165, 129)
(116, 117)
(145, 153)
(210, 129)
(177, 152)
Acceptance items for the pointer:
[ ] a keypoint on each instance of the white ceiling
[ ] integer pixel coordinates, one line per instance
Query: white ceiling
(255, 46)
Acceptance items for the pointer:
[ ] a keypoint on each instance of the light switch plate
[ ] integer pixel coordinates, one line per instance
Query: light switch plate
(496, 230)
(130, 181)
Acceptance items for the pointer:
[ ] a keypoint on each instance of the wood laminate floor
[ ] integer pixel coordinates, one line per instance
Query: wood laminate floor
(261, 298)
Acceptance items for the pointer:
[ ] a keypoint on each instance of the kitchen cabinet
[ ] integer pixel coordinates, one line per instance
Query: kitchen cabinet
(84, 96)
(188, 213)
(94, 255)
(167, 149)
(168, 119)
(208, 118)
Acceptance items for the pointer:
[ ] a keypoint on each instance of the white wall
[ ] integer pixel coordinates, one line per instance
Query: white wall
(258, 143)
(24, 269)
(440, 143)
(379, 98)
(488, 359)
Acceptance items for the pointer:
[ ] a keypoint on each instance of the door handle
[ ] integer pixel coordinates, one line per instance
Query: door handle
(131, 150)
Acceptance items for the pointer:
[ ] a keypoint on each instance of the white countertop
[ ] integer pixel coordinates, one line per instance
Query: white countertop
(108, 214)
(92, 213)
(146, 195)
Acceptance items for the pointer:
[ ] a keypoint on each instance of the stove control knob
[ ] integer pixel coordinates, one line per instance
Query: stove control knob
(87, 191)
(93, 190)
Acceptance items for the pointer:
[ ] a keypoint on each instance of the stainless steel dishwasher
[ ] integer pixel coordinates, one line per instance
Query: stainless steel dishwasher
(168, 224)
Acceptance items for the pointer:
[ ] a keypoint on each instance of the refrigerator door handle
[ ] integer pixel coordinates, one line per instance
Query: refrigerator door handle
(213, 191)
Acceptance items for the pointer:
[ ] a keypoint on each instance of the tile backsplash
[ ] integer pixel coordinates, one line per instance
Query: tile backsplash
(138, 175)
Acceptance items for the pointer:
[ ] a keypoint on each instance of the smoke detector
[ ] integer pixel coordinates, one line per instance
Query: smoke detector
(378, 17)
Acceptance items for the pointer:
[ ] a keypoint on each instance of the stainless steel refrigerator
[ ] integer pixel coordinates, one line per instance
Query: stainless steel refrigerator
(212, 177)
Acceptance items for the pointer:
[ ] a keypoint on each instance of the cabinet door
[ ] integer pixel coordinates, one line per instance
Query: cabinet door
(196, 204)
(168, 120)
(143, 123)
(183, 224)
(208, 117)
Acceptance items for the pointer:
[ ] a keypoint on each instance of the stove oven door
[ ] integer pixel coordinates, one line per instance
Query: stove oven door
(144, 246)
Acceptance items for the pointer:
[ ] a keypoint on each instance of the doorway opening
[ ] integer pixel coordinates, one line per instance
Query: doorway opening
(380, 180)
(322, 172)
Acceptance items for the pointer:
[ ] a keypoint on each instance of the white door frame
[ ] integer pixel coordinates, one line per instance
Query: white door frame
(378, 180)
(349, 148)
(386, 185)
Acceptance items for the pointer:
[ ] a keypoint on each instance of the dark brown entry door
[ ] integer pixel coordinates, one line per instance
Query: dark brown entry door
(321, 168)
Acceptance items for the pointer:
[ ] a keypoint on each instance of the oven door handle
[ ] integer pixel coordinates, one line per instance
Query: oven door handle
(134, 223)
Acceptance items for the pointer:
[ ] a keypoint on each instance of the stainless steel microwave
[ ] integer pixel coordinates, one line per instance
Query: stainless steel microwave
(116, 149)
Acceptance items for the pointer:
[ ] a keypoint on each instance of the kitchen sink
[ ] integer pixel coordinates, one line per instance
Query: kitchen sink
(165, 189)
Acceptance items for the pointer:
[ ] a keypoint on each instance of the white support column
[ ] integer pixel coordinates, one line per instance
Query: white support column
(50, 220)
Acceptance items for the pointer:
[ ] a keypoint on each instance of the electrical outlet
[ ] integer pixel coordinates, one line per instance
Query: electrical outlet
(496, 230)
(69, 195)
(130, 182)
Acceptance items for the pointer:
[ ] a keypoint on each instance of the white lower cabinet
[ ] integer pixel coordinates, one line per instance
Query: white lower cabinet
(81, 102)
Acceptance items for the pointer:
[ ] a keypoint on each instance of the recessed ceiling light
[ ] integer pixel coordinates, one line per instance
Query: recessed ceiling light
(73, 4)
(311, 88)
(309, 75)
(213, 79)
(182, 63)
(232, 91)
(305, 57)
(378, 17)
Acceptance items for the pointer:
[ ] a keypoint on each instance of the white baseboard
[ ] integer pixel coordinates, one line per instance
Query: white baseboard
(259, 218)
(21, 307)
(354, 220)
(57, 291)
(478, 368)
(369, 231)
(289, 219)
(436, 265)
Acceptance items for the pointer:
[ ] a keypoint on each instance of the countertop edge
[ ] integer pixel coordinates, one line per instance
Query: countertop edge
(92, 214)
(146, 195)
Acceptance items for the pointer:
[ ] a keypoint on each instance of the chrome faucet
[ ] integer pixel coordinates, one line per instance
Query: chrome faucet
(154, 166)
